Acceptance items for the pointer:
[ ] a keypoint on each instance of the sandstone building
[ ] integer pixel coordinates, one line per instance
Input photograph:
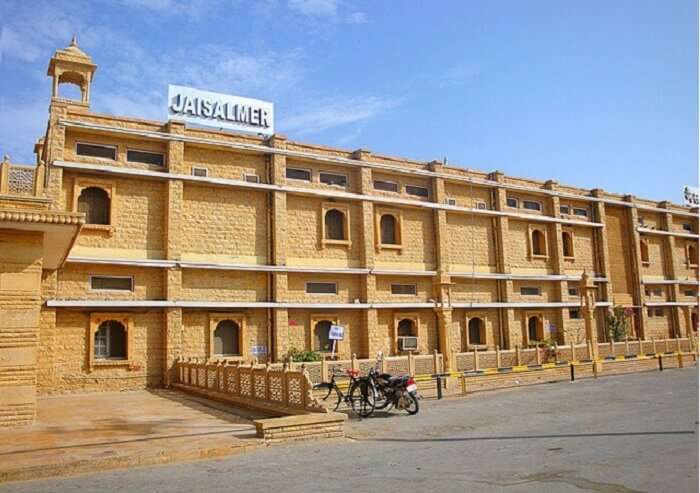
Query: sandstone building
(132, 243)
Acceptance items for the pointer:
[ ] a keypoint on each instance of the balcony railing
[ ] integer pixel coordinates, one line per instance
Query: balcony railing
(21, 180)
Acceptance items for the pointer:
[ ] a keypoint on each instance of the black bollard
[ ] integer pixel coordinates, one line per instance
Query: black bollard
(439, 386)
(573, 378)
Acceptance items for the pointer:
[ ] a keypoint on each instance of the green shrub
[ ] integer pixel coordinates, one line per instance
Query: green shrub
(617, 323)
(298, 355)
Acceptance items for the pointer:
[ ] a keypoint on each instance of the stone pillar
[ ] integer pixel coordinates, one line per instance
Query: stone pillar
(277, 169)
(670, 270)
(587, 290)
(20, 302)
(601, 253)
(373, 342)
(54, 150)
(556, 247)
(509, 328)
(448, 335)
(636, 254)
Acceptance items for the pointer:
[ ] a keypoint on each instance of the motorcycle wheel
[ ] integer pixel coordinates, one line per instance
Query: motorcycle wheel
(382, 401)
(413, 407)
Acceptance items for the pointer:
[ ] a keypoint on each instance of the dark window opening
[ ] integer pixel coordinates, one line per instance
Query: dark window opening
(96, 150)
(145, 157)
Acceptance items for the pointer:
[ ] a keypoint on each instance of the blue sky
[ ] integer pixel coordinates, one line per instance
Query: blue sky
(601, 93)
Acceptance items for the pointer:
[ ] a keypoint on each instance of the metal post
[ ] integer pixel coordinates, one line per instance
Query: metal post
(573, 377)
(438, 379)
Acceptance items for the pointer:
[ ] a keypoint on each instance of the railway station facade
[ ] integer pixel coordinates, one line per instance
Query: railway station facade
(132, 243)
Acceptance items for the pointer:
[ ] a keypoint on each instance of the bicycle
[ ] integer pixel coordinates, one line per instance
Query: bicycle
(361, 396)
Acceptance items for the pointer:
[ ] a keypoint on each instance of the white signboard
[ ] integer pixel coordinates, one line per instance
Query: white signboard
(337, 333)
(258, 350)
(218, 110)
(690, 196)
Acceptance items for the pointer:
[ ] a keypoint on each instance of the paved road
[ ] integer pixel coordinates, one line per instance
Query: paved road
(615, 435)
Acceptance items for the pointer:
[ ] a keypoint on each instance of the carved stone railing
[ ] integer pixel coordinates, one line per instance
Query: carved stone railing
(21, 180)
(279, 390)
(481, 360)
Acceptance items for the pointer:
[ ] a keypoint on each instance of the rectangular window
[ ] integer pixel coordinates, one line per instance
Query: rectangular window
(199, 171)
(574, 313)
(689, 292)
(450, 201)
(251, 178)
(298, 174)
(512, 202)
(481, 206)
(417, 191)
(578, 211)
(532, 205)
(529, 291)
(112, 283)
(650, 312)
(96, 150)
(403, 289)
(321, 288)
(333, 179)
(386, 186)
(564, 209)
(659, 312)
(146, 157)
(688, 227)
(573, 291)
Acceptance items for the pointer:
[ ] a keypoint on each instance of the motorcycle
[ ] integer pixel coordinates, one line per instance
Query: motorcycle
(400, 392)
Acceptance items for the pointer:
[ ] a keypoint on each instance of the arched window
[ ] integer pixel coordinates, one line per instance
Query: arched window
(335, 225)
(227, 339)
(406, 328)
(644, 250)
(110, 340)
(477, 334)
(568, 242)
(94, 202)
(692, 255)
(321, 341)
(694, 321)
(538, 243)
(388, 229)
(533, 328)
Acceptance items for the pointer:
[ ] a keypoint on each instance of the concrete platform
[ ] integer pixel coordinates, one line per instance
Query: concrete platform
(91, 432)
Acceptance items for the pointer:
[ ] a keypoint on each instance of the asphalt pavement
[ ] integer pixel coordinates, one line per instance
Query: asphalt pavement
(620, 434)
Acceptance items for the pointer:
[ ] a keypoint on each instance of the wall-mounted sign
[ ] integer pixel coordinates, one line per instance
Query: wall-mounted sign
(336, 333)
(691, 196)
(214, 109)
(258, 350)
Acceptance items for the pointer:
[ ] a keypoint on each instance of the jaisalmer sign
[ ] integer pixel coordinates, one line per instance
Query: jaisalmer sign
(213, 109)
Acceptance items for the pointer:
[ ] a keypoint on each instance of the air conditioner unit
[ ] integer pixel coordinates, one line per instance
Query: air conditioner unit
(481, 206)
(408, 343)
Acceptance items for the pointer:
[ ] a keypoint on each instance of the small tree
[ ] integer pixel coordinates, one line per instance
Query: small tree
(617, 323)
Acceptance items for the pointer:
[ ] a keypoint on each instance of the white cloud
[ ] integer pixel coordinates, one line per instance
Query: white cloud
(28, 123)
(315, 8)
(357, 18)
(336, 113)
(172, 7)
